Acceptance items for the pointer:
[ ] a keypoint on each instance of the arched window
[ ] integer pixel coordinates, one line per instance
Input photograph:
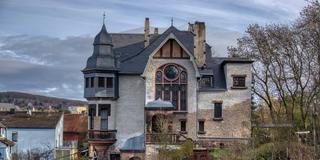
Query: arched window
(171, 85)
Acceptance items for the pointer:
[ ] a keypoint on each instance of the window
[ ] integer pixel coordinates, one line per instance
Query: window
(92, 82)
(201, 127)
(87, 83)
(217, 110)
(92, 114)
(14, 136)
(101, 82)
(104, 112)
(239, 81)
(171, 85)
(206, 81)
(109, 82)
(183, 125)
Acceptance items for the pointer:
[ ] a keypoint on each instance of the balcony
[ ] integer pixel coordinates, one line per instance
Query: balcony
(99, 135)
(168, 138)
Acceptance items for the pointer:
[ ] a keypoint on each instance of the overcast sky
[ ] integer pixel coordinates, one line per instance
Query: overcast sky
(44, 43)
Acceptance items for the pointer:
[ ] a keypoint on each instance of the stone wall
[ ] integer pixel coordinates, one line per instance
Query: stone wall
(236, 106)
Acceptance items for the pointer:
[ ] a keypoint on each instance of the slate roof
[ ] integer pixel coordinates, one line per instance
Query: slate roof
(133, 56)
(134, 144)
(20, 119)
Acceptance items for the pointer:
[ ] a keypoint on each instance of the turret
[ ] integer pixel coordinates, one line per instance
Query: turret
(101, 72)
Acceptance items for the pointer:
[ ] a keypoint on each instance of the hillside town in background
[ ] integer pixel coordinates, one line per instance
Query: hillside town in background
(165, 96)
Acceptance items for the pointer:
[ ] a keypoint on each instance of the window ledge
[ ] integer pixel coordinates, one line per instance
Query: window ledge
(201, 132)
(234, 87)
(218, 119)
(180, 112)
(183, 132)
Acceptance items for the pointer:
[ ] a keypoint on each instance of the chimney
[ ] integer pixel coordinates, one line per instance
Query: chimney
(146, 32)
(199, 31)
(156, 30)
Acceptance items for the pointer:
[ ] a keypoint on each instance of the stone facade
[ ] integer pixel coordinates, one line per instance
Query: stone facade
(134, 87)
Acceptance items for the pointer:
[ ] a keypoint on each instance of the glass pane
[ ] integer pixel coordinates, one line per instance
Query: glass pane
(183, 77)
(175, 95)
(158, 91)
(101, 82)
(171, 72)
(158, 77)
(166, 92)
(183, 97)
(109, 82)
(104, 124)
(92, 82)
(217, 110)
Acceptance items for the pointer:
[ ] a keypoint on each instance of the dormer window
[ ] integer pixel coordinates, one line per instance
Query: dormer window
(206, 81)
(239, 81)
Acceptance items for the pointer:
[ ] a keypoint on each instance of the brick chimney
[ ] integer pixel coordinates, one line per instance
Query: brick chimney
(156, 30)
(146, 32)
(199, 31)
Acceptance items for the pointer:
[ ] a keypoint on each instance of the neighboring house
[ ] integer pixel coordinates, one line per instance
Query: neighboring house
(133, 79)
(78, 109)
(5, 144)
(75, 130)
(33, 130)
(8, 107)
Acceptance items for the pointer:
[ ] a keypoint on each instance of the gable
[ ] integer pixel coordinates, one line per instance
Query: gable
(171, 49)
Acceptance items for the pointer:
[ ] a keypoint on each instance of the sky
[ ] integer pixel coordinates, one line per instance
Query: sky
(45, 43)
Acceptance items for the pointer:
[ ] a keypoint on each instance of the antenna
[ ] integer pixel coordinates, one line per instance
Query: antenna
(104, 16)
(171, 21)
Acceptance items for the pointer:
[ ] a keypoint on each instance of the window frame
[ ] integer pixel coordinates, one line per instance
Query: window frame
(101, 82)
(198, 128)
(108, 84)
(87, 82)
(237, 83)
(91, 82)
(181, 126)
(216, 105)
(14, 136)
(211, 79)
(172, 83)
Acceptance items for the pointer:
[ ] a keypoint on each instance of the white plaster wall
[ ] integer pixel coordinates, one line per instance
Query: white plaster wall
(59, 132)
(4, 151)
(130, 108)
(32, 138)
(192, 81)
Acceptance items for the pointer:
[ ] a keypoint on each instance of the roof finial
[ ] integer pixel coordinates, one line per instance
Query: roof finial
(104, 16)
(171, 21)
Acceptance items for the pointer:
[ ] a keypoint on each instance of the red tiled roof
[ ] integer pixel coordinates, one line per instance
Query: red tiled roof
(77, 123)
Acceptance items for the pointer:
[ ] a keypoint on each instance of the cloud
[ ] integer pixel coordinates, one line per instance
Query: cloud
(58, 74)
